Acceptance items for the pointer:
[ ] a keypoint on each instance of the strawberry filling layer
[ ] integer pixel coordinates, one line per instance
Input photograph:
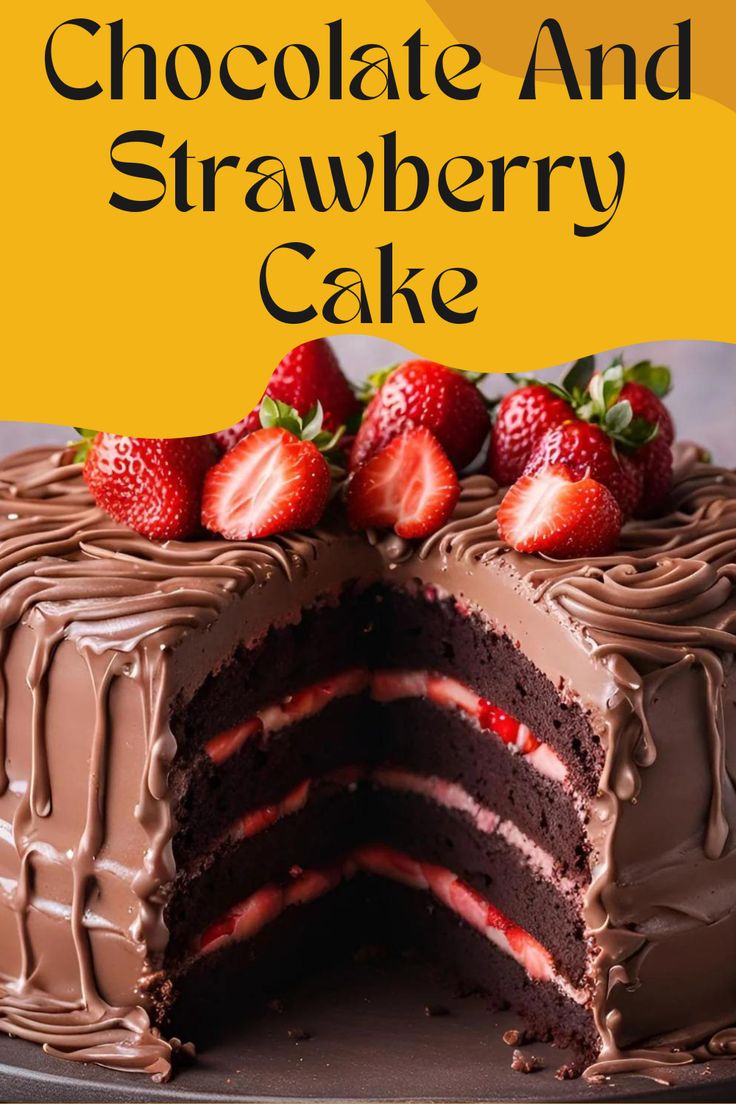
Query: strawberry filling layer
(448, 795)
(387, 686)
(249, 917)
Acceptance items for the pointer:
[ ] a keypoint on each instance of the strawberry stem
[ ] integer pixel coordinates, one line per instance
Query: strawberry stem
(308, 428)
(83, 445)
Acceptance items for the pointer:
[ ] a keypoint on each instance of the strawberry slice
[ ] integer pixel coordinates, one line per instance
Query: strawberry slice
(409, 486)
(553, 514)
(220, 929)
(536, 959)
(269, 483)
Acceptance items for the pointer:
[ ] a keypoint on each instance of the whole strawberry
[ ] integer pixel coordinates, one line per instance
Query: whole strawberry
(308, 375)
(423, 393)
(274, 480)
(153, 485)
(646, 405)
(586, 449)
(654, 461)
(522, 419)
(554, 514)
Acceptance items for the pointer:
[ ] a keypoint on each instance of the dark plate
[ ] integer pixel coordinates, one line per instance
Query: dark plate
(371, 1039)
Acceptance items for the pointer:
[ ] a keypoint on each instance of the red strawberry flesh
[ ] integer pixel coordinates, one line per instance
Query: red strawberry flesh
(269, 483)
(585, 449)
(409, 486)
(552, 513)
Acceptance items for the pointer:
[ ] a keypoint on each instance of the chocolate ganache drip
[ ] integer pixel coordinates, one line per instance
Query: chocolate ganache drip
(70, 573)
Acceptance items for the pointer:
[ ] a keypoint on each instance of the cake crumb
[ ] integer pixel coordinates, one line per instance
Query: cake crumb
(436, 1010)
(276, 1005)
(566, 1073)
(596, 1079)
(513, 1037)
(299, 1035)
(522, 1064)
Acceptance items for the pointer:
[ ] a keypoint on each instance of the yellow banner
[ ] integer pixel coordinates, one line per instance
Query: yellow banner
(190, 190)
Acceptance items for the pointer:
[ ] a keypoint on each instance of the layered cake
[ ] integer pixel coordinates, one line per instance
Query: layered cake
(223, 760)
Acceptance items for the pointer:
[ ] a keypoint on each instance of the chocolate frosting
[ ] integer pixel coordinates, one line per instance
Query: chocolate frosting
(637, 638)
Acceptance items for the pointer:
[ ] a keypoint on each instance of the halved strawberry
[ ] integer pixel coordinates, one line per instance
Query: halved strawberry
(552, 513)
(269, 483)
(409, 486)
(274, 480)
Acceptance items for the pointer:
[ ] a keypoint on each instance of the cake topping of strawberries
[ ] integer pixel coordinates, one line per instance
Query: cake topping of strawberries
(553, 513)
(274, 480)
(423, 393)
(586, 449)
(308, 375)
(410, 486)
(522, 419)
(152, 485)
(596, 423)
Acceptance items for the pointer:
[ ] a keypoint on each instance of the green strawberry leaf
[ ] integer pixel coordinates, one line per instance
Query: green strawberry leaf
(83, 446)
(657, 377)
(530, 381)
(640, 432)
(274, 413)
(353, 423)
(578, 377)
(309, 428)
(368, 388)
(312, 423)
(618, 418)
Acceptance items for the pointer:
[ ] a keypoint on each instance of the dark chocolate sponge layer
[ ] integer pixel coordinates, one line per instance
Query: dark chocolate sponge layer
(216, 990)
(434, 634)
(211, 798)
(413, 733)
(429, 739)
(389, 627)
(380, 627)
(336, 820)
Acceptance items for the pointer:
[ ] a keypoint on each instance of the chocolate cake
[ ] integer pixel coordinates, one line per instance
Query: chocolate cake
(222, 761)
